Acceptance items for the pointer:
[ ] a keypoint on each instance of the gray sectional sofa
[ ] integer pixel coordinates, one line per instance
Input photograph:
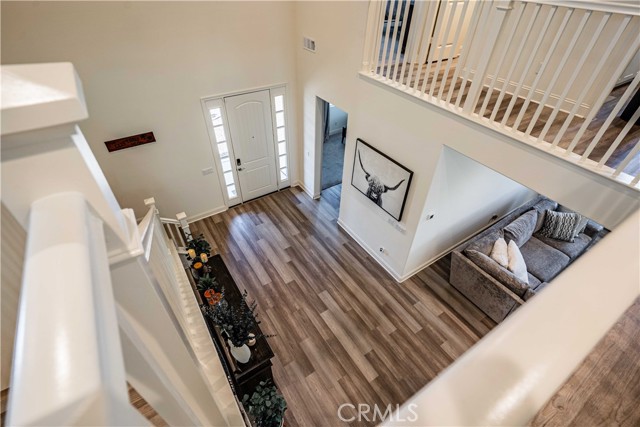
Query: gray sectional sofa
(494, 289)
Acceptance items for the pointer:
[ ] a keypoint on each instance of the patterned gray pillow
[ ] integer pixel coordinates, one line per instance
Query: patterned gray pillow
(561, 226)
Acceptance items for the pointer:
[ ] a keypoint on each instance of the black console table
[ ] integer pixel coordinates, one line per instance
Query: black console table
(244, 377)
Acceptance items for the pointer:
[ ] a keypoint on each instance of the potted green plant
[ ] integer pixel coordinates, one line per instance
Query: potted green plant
(266, 405)
(238, 323)
(207, 282)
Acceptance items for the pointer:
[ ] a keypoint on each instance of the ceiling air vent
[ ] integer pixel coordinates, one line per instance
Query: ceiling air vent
(309, 44)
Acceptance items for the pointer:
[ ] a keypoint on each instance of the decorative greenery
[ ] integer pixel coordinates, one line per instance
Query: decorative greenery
(266, 405)
(200, 245)
(207, 282)
(238, 323)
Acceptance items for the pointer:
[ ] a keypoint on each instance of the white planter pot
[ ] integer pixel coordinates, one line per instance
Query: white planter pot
(241, 354)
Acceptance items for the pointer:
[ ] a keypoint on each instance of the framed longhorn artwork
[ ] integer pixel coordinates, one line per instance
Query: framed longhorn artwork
(383, 180)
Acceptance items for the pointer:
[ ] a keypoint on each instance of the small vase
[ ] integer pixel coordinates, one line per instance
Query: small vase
(241, 354)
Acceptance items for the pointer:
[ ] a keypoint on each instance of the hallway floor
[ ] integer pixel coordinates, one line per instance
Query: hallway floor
(332, 161)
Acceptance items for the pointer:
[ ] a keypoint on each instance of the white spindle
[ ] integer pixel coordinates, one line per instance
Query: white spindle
(634, 152)
(576, 72)
(431, 47)
(635, 180)
(452, 51)
(534, 87)
(421, 23)
(405, 24)
(445, 37)
(426, 41)
(510, 37)
(464, 55)
(377, 44)
(394, 16)
(527, 67)
(605, 90)
(515, 62)
(559, 69)
(490, 37)
(371, 35)
(635, 84)
(383, 55)
(625, 130)
(587, 86)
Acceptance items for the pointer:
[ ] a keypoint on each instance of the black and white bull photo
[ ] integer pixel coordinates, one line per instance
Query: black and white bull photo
(383, 180)
(376, 187)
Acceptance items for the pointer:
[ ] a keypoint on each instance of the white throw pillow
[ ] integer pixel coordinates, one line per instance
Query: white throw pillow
(499, 252)
(516, 262)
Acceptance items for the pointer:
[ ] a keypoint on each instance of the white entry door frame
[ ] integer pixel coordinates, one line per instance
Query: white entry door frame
(248, 132)
(250, 124)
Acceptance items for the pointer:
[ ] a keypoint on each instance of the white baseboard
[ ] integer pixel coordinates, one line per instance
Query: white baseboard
(207, 214)
(371, 252)
(306, 190)
(566, 106)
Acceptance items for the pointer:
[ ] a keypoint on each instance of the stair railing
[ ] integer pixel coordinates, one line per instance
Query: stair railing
(94, 309)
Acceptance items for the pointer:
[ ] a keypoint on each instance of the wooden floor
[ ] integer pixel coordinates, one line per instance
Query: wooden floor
(608, 138)
(346, 331)
(605, 389)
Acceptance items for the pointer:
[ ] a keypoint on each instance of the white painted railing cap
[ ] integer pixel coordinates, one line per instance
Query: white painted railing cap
(36, 96)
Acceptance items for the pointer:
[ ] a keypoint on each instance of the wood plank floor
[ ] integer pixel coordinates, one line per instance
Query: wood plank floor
(627, 144)
(346, 331)
(605, 389)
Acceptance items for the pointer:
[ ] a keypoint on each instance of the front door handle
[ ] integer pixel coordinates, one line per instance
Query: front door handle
(239, 169)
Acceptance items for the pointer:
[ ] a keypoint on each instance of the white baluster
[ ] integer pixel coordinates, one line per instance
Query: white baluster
(509, 37)
(545, 62)
(527, 67)
(436, 73)
(405, 24)
(519, 51)
(635, 84)
(452, 51)
(587, 86)
(576, 72)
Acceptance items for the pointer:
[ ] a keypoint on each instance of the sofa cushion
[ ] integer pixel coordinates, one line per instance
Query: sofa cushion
(571, 249)
(516, 263)
(561, 225)
(542, 207)
(542, 260)
(499, 273)
(485, 244)
(499, 253)
(522, 228)
(591, 228)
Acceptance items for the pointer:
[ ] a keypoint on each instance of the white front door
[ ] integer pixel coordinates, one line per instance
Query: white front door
(251, 127)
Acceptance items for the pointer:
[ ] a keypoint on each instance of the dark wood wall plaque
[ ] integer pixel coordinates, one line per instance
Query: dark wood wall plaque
(130, 141)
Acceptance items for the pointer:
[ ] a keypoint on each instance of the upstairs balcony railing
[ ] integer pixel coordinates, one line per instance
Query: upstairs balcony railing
(559, 75)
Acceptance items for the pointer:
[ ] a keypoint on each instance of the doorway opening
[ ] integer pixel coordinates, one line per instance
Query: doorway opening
(334, 135)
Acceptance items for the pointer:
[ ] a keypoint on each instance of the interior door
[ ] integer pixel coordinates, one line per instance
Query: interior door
(251, 128)
(440, 45)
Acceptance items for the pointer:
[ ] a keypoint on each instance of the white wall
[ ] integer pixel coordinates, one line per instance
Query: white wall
(464, 196)
(144, 67)
(414, 133)
(337, 120)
